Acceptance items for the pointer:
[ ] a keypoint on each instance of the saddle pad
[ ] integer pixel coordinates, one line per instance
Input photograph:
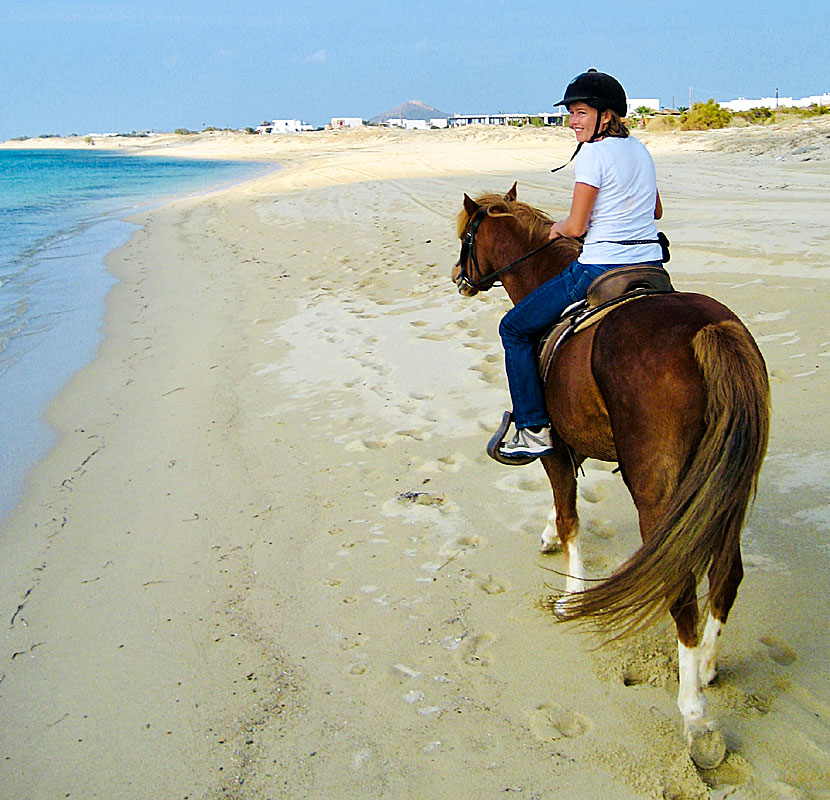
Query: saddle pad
(575, 324)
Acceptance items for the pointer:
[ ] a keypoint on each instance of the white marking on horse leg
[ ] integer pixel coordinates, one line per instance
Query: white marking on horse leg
(690, 699)
(709, 648)
(707, 747)
(550, 539)
(575, 582)
(574, 571)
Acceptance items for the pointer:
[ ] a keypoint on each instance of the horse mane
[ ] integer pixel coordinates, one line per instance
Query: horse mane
(534, 221)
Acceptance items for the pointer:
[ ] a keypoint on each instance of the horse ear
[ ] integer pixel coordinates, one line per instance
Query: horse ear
(470, 205)
(511, 195)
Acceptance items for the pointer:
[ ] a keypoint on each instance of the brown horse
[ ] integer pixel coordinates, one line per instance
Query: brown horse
(674, 389)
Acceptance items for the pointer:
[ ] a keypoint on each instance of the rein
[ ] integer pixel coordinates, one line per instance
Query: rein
(468, 254)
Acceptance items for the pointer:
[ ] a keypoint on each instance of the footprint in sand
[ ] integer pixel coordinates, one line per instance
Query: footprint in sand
(454, 547)
(488, 372)
(487, 583)
(602, 528)
(593, 491)
(648, 660)
(412, 433)
(491, 585)
(779, 652)
(549, 723)
(475, 652)
(452, 463)
(734, 771)
(372, 444)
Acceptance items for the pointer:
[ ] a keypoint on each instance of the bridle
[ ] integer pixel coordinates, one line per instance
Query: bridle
(468, 257)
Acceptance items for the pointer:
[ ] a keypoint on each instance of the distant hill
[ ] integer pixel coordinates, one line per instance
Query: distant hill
(414, 109)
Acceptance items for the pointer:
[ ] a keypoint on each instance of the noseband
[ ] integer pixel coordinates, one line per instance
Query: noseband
(468, 257)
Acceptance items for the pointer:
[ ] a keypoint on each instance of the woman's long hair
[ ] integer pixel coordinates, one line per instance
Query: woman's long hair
(616, 127)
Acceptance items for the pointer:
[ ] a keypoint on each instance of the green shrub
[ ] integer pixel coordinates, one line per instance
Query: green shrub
(756, 116)
(793, 111)
(664, 122)
(705, 116)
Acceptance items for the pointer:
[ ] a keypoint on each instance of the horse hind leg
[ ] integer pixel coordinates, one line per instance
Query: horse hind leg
(723, 588)
(563, 522)
(706, 743)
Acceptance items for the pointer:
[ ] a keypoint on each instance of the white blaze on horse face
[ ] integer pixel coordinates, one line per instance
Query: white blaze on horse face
(709, 648)
(690, 699)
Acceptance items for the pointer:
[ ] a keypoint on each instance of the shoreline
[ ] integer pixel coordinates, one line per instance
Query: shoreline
(72, 339)
(229, 590)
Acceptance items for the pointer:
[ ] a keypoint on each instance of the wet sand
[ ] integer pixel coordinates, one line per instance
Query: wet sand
(270, 558)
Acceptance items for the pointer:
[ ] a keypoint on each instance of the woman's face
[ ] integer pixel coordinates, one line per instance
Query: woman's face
(584, 121)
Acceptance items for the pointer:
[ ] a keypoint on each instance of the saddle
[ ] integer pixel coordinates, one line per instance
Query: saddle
(611, 289)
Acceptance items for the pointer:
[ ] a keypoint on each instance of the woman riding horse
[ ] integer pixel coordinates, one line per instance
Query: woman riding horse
(615, 202)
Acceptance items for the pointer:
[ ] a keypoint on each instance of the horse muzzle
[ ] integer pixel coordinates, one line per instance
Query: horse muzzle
(460, 279)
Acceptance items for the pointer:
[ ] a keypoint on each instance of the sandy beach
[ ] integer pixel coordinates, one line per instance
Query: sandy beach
(269, 557)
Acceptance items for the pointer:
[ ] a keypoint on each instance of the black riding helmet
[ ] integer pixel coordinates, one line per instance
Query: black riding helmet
(598, 90)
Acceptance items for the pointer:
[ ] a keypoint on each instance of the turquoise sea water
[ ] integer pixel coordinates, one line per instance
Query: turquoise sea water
(61, 212)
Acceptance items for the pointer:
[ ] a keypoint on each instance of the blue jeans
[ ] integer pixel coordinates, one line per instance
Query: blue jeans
(522, 327)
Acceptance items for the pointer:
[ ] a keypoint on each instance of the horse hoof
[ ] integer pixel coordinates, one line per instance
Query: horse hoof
(707, 746)
(560, 608)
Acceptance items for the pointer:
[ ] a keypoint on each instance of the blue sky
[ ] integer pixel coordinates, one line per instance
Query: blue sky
(114, 65)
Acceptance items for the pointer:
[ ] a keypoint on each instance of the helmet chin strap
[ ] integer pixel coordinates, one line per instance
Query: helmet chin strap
(596, 127)
(579, 146)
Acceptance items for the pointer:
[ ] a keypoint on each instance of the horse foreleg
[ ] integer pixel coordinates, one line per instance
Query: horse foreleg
(706, 744)
(563, 522)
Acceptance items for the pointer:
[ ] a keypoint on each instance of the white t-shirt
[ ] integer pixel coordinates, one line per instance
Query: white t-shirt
(623, 171)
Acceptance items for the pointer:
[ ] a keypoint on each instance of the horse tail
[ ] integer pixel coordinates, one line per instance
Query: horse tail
(706, 512)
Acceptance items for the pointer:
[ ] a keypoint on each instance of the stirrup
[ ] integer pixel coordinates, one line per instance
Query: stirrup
(498, 439)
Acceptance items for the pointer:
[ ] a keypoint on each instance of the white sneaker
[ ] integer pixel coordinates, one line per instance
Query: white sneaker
(529, 443)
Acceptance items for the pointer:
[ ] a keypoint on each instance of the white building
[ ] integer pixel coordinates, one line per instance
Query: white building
(744, 104)
(814, 100)
(407, 124)
(346, 122)
(651, 103)
(548, 118)
(284, 126)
